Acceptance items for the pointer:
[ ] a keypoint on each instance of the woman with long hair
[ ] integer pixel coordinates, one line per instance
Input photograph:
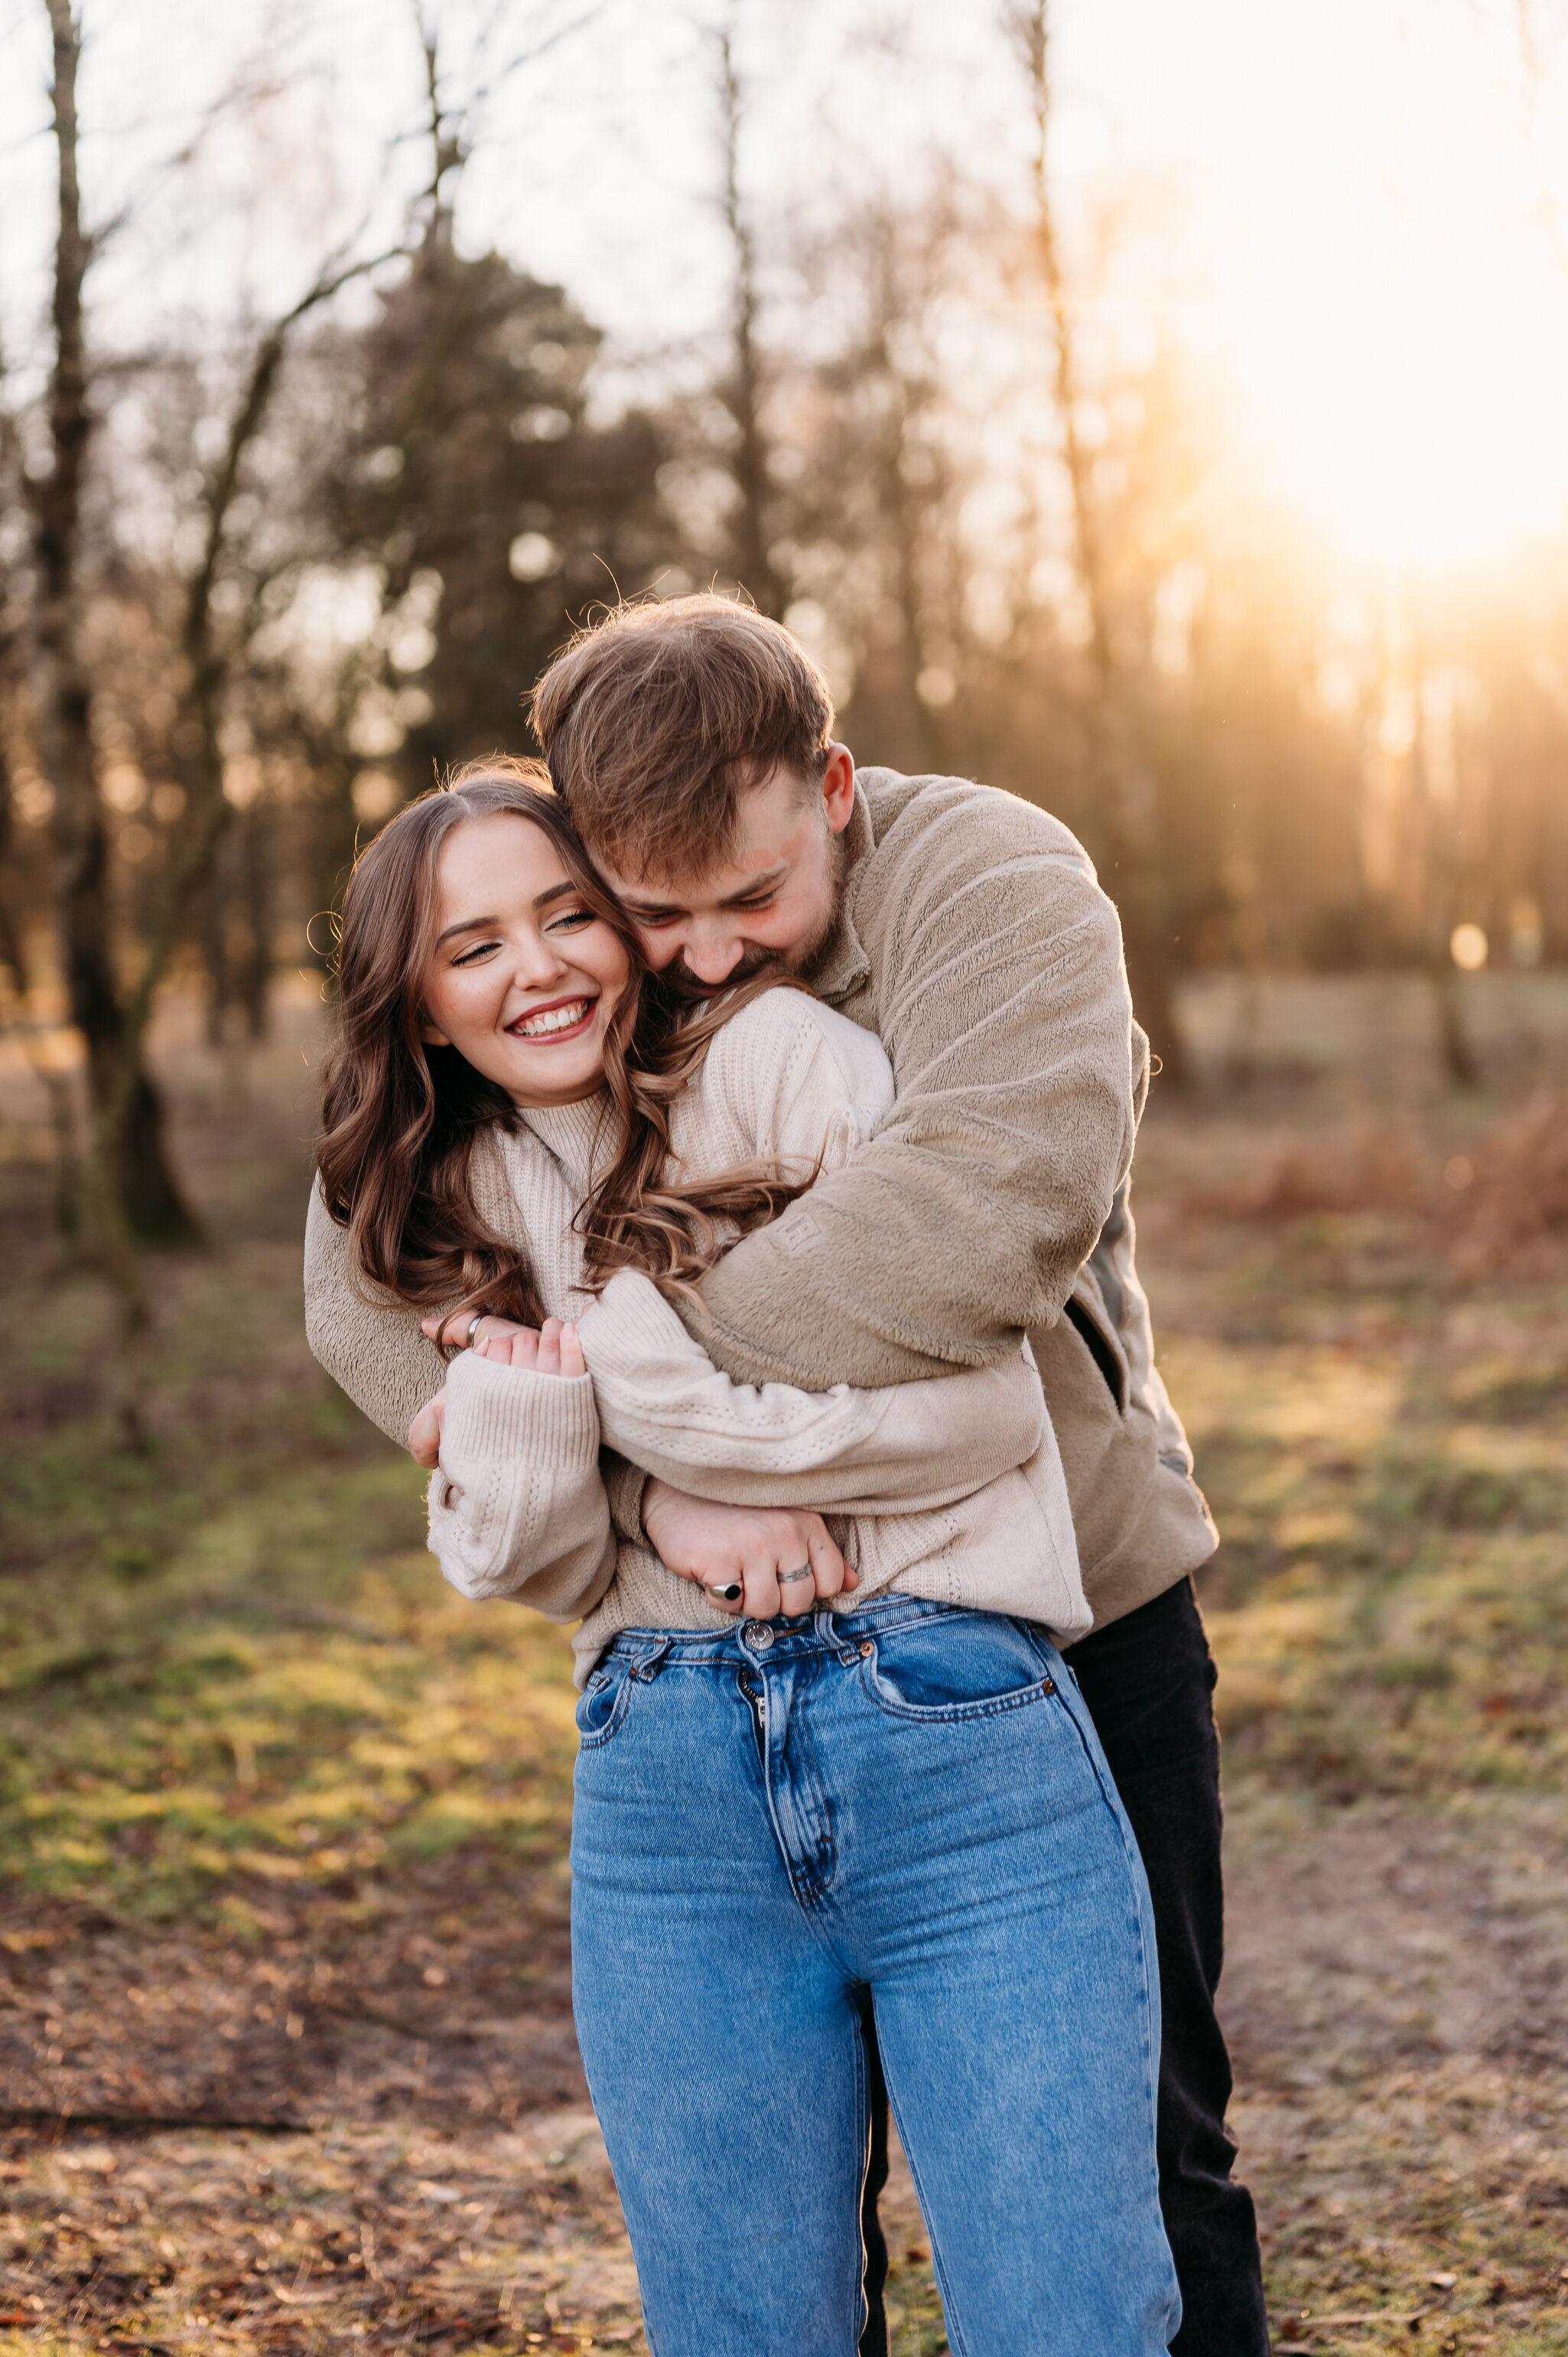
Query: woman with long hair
(820, 1769)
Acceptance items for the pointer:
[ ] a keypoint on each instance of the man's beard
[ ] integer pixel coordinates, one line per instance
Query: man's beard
(803, 962)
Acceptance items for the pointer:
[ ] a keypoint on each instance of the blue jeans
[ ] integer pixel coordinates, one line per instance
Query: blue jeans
(909, 1803)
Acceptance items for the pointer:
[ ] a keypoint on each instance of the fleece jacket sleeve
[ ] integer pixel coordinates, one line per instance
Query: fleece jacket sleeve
(372, 1348)
(901, 1449)
(1001, 998)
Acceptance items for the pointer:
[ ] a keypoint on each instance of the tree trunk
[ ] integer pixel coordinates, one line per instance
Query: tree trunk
(1120, 792)
(743, 395)
(901, 504)
(1442, 865)
(56, 1084)
(1461, 1065)
(136, 1168)
(256, 886)
(215, 954)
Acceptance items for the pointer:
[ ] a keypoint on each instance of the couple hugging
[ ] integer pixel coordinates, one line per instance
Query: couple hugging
(752, 1139)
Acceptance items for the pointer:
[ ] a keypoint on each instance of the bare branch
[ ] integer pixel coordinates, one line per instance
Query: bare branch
(540, 48)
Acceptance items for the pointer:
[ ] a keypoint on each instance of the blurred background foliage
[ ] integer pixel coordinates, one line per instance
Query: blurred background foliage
(270, 562)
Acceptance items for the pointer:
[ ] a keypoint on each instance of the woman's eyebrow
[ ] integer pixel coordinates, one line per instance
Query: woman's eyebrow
(492, 924)
(469, 925)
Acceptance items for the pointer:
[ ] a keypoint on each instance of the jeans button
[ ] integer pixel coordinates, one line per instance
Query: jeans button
(757, 1636)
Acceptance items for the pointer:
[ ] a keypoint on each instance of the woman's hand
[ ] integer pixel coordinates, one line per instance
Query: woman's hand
(552, 1349)
(752, 1548)
(424, 1432)
(451, 1332)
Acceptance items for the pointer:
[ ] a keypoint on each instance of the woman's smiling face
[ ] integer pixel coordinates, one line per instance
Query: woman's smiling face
(524, 979)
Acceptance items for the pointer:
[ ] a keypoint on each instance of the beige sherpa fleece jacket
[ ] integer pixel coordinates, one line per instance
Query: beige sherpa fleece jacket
(950, 1489)
(976, 941)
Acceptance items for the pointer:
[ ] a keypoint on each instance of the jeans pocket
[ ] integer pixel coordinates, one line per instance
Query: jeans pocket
(603, 1703)
(964, 1666)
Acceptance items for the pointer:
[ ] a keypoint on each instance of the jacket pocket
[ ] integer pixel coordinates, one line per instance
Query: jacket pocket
(1105, 1352)
(953, 1666)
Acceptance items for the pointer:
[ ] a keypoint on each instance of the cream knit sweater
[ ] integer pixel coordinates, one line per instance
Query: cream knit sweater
(950, 1488)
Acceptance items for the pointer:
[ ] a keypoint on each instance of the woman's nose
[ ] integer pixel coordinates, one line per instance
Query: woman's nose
(538, 964)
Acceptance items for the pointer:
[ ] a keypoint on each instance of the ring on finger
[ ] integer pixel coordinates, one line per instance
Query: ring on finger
(726, 1591)
(473, 1325)
(788, 1579)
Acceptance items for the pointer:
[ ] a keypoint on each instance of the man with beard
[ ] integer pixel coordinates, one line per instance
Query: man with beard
(692, 742)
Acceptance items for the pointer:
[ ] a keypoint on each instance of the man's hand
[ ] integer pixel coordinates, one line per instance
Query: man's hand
(752, 1547)
(552, 1349)
(424, 1432)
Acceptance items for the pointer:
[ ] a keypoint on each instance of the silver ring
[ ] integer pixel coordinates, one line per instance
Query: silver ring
(788, 1578)
(473, 1325)
(728, 1591)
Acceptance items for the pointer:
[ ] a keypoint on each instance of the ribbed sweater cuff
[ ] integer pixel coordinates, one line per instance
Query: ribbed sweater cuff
(628, 1324)
(499, 1411)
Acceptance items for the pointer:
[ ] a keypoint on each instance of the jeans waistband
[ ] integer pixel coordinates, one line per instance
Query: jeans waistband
(782, 1638)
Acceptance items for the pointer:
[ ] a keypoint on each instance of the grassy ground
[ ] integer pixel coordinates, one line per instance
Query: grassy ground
(1387, 1450)
(283, 1825)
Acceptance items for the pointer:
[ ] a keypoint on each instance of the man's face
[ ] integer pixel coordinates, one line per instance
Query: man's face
(773, 902)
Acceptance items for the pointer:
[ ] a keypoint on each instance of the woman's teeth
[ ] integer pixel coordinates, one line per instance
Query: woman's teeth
(554, 1018)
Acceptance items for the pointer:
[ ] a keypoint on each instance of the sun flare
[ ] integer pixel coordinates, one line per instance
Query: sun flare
(1394, 276)
(1416, 409)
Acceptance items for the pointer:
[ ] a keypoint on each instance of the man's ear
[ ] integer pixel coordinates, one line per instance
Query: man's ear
(838, 786)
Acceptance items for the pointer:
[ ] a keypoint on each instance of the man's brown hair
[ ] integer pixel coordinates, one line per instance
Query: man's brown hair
(657, 718)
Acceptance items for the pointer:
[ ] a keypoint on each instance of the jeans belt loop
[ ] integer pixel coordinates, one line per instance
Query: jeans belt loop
(823, 1623)
(646, 1663)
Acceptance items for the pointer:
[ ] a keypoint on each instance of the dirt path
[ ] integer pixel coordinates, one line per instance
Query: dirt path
(447, 1998)
(1395, 1996)
(1397, 2001)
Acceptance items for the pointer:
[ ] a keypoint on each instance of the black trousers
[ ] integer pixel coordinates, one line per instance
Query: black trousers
(1147, 1679)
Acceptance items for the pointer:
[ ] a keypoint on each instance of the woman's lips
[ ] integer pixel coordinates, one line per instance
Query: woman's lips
(550, 1018)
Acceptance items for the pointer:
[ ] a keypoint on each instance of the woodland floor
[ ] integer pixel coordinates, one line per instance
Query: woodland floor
(285, 2048)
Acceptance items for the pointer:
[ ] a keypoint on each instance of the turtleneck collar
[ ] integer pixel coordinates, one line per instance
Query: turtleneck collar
(581, 1136)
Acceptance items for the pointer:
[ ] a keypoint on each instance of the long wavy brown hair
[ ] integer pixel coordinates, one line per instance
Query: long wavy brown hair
(401, 1119)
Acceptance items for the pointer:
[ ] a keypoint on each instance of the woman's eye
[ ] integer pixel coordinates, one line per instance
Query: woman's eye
(476, 950)
(572, 921)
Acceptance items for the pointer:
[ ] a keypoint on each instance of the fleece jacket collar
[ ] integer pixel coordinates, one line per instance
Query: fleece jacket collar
(843, 966)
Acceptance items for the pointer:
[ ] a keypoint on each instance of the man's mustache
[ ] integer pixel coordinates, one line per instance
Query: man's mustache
(683, 985)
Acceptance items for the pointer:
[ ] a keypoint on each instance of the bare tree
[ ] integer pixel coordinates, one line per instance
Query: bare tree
(1122, 790)
(881, 481)
(132, 1143)
(741, 387)
(1438, 793)
(128, 1190)
(208, 661)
